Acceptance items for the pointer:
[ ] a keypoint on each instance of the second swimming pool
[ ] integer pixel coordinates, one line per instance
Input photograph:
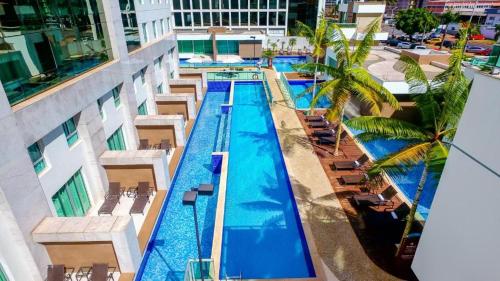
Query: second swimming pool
(262, 234)
(303, 101)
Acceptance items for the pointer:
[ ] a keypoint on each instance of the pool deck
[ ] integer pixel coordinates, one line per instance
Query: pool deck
(336, 252)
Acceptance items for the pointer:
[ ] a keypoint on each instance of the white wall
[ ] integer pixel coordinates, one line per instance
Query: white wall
(460, 240)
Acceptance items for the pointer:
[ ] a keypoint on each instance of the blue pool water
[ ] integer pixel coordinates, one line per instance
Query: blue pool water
(173, 241)
(245, 63)
(262, 234)
(284, 63)
(407, 184)
(298, 87)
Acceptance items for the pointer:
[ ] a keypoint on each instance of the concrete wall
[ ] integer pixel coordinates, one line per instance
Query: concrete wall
(460, 238)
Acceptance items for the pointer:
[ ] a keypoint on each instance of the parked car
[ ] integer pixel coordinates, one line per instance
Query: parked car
(418, 47)
(405, 38)
(477, 50)
(448, 44)
(434, 41)
(477, 37)
(393, 42)
(434, 35)
(404, 45)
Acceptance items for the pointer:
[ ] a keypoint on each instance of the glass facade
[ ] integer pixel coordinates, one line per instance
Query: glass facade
(142, 109)
(116, 140)
(3, 276)
(44, 43)
(129, 20)
(199, 47)
(72, 199)
(36, 157)
(305, 11)
(69, 128)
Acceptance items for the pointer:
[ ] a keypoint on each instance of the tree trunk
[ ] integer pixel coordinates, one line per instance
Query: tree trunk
(444, 35)
(339, 132)
(411, 216)
(311, 112)
(270, 63)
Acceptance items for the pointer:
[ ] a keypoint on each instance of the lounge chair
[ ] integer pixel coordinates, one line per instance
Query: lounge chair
(319, 124)
(370, 199)
(141, 198)
(353, 179)
(165, 145)
(141, 188)
(350, 165)
(332, 139)
(115, 190)
(101, 272)
(143, 144)
(324, 133)
(83, 272)
(57, 272)
(111, 199)
(314, 118)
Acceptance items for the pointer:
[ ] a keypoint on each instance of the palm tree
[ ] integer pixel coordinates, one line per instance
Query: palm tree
(349, 78)
(447, 18)
(268, 54)
(274, 45)
(440, 103)
(320, 39)
(292, 42)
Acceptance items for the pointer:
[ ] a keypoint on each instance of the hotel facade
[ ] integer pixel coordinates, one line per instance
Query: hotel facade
(90, 94)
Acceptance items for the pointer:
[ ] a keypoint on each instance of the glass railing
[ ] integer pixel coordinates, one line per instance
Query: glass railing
(193, 272)
(235, 75)
(132, 39)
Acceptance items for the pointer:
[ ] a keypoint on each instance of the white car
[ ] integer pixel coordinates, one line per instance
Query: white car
(404, 45)
(420, 47)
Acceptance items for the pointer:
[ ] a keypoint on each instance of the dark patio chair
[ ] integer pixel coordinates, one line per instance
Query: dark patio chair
(314, 118)
(332, 139)
(381, 199)
(115, 190)
(108, 206)
(102, 272)
(143, 144)
(57, 272)
(353, 179)
(324, 133)
(350, 165)
(141, 198)
(318, 124)
(165, 145)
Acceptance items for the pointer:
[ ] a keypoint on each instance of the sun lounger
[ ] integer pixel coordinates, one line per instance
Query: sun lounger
(370, 199)
(143, 144)
(350, 165)
(314, 118)
(101, 272)
(332, 139)
(108, 206)
(165, 145)
(115, 190)
(56, 272)
(139, 205)
(142, 189)
(353, 179)
(324, 133)
(318, 124)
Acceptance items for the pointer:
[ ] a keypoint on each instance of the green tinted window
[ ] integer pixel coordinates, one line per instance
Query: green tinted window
(72, 199)
(142, 109)
(36, 157)
(3, 276)
(69, 128)
(116, 141)
(116, 96)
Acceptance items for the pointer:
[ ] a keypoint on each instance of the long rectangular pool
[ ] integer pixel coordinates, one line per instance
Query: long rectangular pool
(262, 233)
(173, 241)
(285, 63)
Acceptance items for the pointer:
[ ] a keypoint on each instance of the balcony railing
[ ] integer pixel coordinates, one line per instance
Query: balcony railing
(235, 75)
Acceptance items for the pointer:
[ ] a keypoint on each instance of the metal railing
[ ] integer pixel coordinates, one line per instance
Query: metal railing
(267, 89)
(286, 90)
(193, 272)
(235, 75)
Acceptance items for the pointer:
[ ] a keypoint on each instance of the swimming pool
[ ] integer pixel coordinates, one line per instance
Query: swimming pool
(173, 241)
(284, 63)
(407, 183)
(298, 87)
(262, 233)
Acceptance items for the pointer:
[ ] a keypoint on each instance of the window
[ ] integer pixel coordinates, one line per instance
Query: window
(282, 4)
(36, 157)
(262, 18)
(225, 19)
(253, 4)
(234, 19)
(196, 4)
(143, 77)
(244, 18)
(178, 19)
(142, 109)
(216, 19)
(116, 141)
(263, 4)
(3, 276)
(155, 33)
(145, 32)
(186, 4)
(116, 96)
(205, 4)
(206, 19)
(197, 19)
(215, 4)
(162, 28)
(177, 5)
(72, 199)
(187, 19)
(99, 105)
(69, 128)
(243, 4)
(159, 88)
(168, 25)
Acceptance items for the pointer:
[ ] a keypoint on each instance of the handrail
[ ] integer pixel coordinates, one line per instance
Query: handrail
(286, 90)
(234, 75)
(267, 89)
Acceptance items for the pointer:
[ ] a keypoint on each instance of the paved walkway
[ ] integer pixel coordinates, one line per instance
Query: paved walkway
(336, 251)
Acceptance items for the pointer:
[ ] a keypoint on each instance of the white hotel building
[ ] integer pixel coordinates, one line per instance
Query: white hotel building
(83, 87)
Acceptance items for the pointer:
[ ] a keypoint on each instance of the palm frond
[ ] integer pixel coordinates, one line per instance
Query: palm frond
(338, 100)
(369, 97)
(327, 88)
(429, 108)
(340, 45)
(403, 160)
(305, 31)
(383, 127)
(414, 75)
(312, 67)
(436, 157)
(363, 49)
(361, 76)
